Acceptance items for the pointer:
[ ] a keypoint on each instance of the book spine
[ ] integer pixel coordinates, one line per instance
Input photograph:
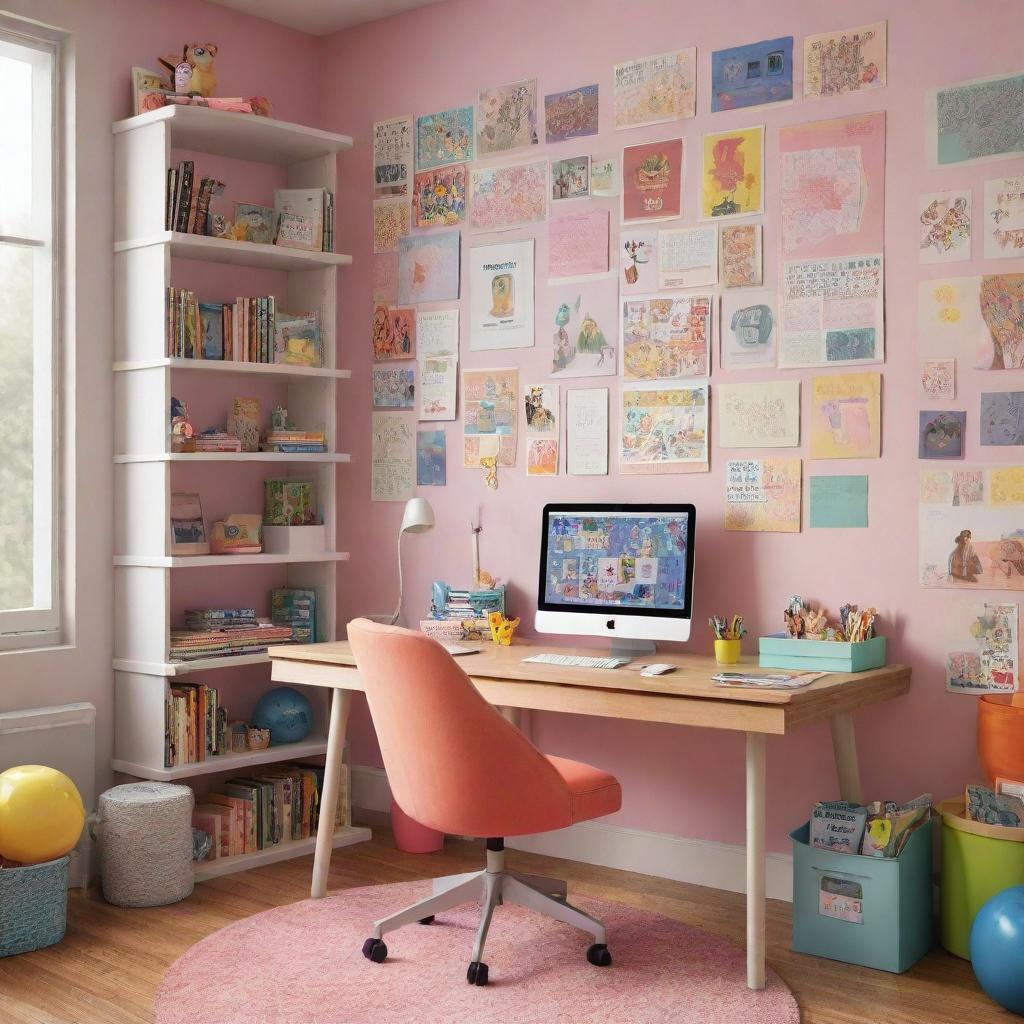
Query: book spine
(250, 322)
(172, 176)
(226, 332)
(271, 327)
(203, 206)
(185, 196)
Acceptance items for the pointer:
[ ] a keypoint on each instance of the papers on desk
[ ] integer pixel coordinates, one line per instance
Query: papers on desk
(768, 680)
(456, 651)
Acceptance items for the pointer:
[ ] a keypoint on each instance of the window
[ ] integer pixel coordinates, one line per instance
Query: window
(29, 594)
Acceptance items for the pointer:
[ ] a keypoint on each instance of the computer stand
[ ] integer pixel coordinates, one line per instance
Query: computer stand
(630, 649)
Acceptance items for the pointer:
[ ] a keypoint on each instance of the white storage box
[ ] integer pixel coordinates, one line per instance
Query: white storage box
(294, 540)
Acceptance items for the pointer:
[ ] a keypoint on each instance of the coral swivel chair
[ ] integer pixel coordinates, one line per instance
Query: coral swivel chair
(456, 765)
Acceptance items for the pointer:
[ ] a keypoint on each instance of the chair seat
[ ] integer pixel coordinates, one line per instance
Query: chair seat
(593, 792)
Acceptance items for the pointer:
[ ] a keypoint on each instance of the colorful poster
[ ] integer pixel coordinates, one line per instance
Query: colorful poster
(652, 180)
(759, 414)
(541, 406)
(732, 180)
(1002, 418)
(846, 60)
(739, 254)
(975, 121)
(638, 261)
(945, 226)
(832, 187)
(431, 458)
(586, 432)
(429, 267)
(392, 157)
(392, 457)
(940, 433)
(583, 319)
(652, 90)
(604, 176)
(391, 221)
(664, 429)
(763, 495)
(752, 75)
(938, 378)
(988, 661)
(570, 178)
(394, 387)
(437, 335)
(748, 329)
(578, 243)
(444, 138)
(508, 197)
(838, 502)
(501, 296)
(666, 337)
(394, 332)
(542, 456)
(846, 416)
(439, 196)
(571, 114)
(688, 257)
(1004, 218)
(385, 277)
(490, 406)
(506, 118)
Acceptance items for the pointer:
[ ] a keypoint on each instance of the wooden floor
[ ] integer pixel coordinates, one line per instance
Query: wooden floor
(107, 968)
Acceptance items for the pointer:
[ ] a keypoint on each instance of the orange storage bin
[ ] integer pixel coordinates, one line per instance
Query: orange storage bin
(1001, 736)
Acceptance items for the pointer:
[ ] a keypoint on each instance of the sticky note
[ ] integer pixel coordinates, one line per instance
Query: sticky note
(839, 501)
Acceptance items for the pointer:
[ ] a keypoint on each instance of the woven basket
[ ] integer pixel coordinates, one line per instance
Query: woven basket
(33, 906)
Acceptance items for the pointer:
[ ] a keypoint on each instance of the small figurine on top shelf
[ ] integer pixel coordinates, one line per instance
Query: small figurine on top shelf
(193, 75)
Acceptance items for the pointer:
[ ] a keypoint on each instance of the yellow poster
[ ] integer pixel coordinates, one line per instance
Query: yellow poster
(846, 416)
(732, 180)
(1006, 485)
(763, 495)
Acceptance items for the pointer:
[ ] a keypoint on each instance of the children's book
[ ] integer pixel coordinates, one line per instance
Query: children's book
(255, 223)
(297, 339)
(305, 211)
(211, 324)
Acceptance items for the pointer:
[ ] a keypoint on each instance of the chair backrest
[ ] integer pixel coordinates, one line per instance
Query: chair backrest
(453, 762)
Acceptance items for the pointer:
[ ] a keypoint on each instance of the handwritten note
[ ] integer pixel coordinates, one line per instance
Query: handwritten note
(688, 257)
(393, 457)
(586, 431)
(578, 244)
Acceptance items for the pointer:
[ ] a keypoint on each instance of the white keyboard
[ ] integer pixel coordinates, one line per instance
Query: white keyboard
(577, 661)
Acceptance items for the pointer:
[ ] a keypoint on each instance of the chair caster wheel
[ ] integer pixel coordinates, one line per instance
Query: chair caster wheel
(598, 955)
(375, 950)
(427, 920)
(477, 973)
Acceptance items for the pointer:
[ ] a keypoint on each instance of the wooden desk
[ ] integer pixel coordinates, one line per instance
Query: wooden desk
(684, 697)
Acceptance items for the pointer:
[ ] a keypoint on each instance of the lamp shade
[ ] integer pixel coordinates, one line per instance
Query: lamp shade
(418, 516)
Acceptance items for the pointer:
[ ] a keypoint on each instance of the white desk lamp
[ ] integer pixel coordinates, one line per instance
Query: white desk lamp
(417, 518)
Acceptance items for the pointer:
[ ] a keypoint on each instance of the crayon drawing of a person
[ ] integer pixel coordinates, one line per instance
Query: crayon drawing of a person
(964, 563)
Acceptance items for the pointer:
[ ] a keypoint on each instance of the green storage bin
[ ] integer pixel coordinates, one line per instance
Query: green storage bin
(895, 928)
(780, 650)
(978, 861)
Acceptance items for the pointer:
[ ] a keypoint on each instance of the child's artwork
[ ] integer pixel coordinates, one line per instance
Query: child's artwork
(832, 187)
(971, 528)
(501, 296)
(431, 458)
(945, 226)
(394, 332)
(688, 257)
(439, 196)
(748, 329)
(570, 178)
(584, 326)
(394, 387)
(975, 121)
(1002, 418)
(508, 197)
(571, 114)
(846, 416)
(664, 429)
(761, 414)
(739, 256)
(838, 502)
(940, 434)
(651, 90)
(763, 495)
(638, 261)
(604, 176)
(1004, 218)
(752, 75)
(542, 456)
(255, 223)
(429, 267)
(988, 661)
(506, 118)
(666, 337)
(578, 244)
(392, 157)
(541, 404)
(437, 338)
(385, 277)
(586, 432)
(845, 60)
(392, 457)
(444, 138)
(732, 180)
(490, 406)
(391, 221)
(938, 378)
(652, 180)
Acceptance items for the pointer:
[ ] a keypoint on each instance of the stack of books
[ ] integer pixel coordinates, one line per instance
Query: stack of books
(462, 614)
(195, 725)
(214, 440)
(225, 641)
(295, 441)
(295, 609)
(187, 207)
(244, 331)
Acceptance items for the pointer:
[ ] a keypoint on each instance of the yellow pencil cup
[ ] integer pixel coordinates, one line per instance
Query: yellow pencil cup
(727, 652)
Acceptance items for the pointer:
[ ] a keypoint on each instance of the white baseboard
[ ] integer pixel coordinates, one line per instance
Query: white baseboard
(698, 861)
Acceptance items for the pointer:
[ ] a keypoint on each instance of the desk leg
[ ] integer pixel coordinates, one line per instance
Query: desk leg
(341, 701)
(755, 860)
(844, 746)
(510, 715)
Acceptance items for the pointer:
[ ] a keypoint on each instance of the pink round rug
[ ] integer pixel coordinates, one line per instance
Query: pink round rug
(302, 964)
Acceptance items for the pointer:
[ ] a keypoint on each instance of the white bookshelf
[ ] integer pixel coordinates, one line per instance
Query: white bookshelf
(147, 472)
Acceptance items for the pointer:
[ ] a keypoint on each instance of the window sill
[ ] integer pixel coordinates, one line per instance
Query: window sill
(24, 643)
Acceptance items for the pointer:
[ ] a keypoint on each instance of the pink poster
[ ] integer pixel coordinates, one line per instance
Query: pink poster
(578, 244)
(652, 180)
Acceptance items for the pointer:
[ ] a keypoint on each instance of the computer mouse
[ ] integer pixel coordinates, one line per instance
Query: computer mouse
(656, 670)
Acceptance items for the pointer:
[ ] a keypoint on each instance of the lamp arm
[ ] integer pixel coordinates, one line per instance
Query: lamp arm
(398, 607)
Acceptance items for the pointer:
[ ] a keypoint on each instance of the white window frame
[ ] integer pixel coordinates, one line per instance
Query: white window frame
(41, 625)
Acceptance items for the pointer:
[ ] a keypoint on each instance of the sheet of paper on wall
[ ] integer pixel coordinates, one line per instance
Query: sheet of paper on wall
(656, 89)
(578, 244)
(1002, 418)
(394, 387)
(988, 659)
(385, 277)
(394, 332)
(490, 415)
(748, 329)
(845, 60)
(940, 433)
(838, 502)
(439, 196)
(732, 175)
(666, 337)
(501, 310)
(604, 177)
(759, 414)
(652, 180)
(392, 157)
(945, 226)
(938, 378)
(541, 408)
(393, 456)
(542, 456)
(1004, 218)
(570, 178)
(752, 75)
(506, 117)
(508, 196)
(846, 416)
(431, 458)
(739, 256)
(688, 257)
(664, 429)
(638, 260)
(429, 267)
(571, 114)
(975, 121)
(763, 495)
(391, 221)
(586, 432)
(445, 137)
(437, 332)
(582, 320)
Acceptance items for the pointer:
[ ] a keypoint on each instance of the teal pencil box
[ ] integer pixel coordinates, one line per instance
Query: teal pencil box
(779, 650)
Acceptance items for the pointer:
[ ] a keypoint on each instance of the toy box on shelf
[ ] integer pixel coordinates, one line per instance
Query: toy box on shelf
(811, 644)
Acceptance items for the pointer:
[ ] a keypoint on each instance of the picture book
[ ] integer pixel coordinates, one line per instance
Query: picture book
(297, 339)
(255, 223)
(211, 322)
(304, 223)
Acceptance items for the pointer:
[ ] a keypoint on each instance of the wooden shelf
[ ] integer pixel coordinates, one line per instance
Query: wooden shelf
(224, 763)
(170, 669)
(204, 561)
(245, 254)
(236, 457)
(229, 366)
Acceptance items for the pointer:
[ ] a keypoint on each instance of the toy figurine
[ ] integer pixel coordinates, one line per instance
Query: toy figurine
(489, 463)
(193, 74)
(816, 624)
(182, 432)
(502, 628)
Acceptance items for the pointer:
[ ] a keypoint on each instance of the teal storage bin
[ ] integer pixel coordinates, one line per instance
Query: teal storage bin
(896, 927)
(33, 906)
(780, 650)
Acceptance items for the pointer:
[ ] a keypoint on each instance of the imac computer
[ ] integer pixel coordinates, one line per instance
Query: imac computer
(620, 571)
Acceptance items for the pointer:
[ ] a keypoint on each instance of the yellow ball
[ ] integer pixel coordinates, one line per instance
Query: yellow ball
(41, 814)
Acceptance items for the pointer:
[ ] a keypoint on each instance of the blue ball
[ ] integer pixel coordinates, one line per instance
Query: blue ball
(286, 713)
(997, 948)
